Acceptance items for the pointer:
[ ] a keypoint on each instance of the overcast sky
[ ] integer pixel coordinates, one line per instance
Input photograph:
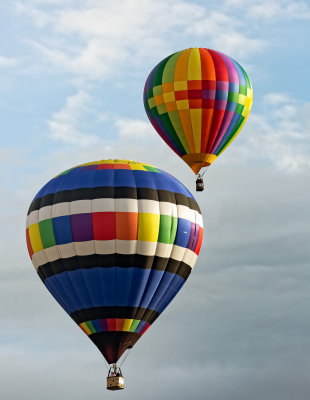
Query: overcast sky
(71, 81)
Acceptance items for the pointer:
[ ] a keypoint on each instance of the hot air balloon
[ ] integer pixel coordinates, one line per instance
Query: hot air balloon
(114, 241)
(198, 100)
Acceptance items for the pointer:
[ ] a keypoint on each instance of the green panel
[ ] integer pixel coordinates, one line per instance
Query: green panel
(239, 109)
(168, 73)
(173, 230)
(233, 133)
(242, 89)
(177, 125)
(47, 233)
(154, 112)
(134, 325)
(66, 171)
(164, 229)
(161, 108)
(157, 90)
(233, 97)
(166, 120)
(157, 79)
(152, 169)
(90, 326)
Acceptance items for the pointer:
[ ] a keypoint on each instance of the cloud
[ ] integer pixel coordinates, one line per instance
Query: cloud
(277, 135)
(133, 128)
(64, 124)
(275, 10)
(96, 40)
(6, 62)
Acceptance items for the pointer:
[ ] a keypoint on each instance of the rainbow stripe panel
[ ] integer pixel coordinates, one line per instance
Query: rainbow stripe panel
(198, 100)
(114, 241)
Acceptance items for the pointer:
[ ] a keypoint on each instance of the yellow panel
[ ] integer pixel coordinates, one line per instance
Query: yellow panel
(169, 97)
(148, 227)
(127, 325)
(241, 99)
(194, 65)
(182, 104)
(151, 102)
(180, 85)
(135, 166)
(196, 126)
(35, 238)
(85, 328)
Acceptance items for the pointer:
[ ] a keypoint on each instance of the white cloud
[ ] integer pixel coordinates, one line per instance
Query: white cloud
(99, 38)
(6, 62)
(64, 124)
(279, 135)
(275, 10)
(133, 128)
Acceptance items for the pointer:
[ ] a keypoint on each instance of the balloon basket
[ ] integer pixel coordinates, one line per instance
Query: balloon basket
(115, 382)
(115, 379)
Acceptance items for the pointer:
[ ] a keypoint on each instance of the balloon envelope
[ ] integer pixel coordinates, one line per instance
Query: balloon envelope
(198, 100)
(114, 241)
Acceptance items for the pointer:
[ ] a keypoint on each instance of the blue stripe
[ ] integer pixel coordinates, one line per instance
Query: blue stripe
(115, 286)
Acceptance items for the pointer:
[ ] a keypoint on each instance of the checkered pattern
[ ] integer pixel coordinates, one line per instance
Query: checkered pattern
(198, 100)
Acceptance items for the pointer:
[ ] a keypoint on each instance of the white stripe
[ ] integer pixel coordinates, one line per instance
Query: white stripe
(184, 212)
(190, 258)
(105, 246)
(39, 258)
(84, 248)
(66, 250)
(61, 209)
(163, 250)
(126, 205)
(148, 206)
(52, 253)
(103, 205)
(126, 246)
(32, 218)
(114, 246)
(45, 213)
(80, 206)
(177, 252)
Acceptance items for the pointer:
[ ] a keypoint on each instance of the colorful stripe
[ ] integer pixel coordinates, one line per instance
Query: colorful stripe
(198, 101)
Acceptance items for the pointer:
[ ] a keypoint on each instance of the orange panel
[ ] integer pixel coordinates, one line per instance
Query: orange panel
(126, 225)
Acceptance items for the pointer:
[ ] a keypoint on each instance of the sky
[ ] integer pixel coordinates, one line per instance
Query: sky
(71, 82)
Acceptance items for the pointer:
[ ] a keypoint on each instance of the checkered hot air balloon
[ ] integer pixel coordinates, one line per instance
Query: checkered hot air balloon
(114, 241)
(198, 100)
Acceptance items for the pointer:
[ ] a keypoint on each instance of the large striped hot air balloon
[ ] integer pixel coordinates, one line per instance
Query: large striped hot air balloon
(114, 241)
(198, 100)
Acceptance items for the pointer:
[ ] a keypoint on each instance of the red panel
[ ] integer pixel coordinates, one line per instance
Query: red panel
(104, 225)
(195, 103)
(194, 94)
(29, 243)
(199, 242)
(111, 324)
(105, 166)
(194, 85)
(181, 95)
(145, 329)
(210, 85)
(121, 166)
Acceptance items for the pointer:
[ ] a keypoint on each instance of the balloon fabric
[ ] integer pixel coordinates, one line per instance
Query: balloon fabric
(198, 100)
(114, 241)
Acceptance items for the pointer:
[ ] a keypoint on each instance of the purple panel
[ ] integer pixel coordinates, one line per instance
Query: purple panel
(196, 236)
(191, 237)
(103, 325)
(222, 85)
(90, 167)
(82, 227)
(208, 94)
(220, 104)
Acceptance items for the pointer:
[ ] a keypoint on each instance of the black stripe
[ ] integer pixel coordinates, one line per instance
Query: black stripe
(89, 314)
(111, 260)
(113, 193)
